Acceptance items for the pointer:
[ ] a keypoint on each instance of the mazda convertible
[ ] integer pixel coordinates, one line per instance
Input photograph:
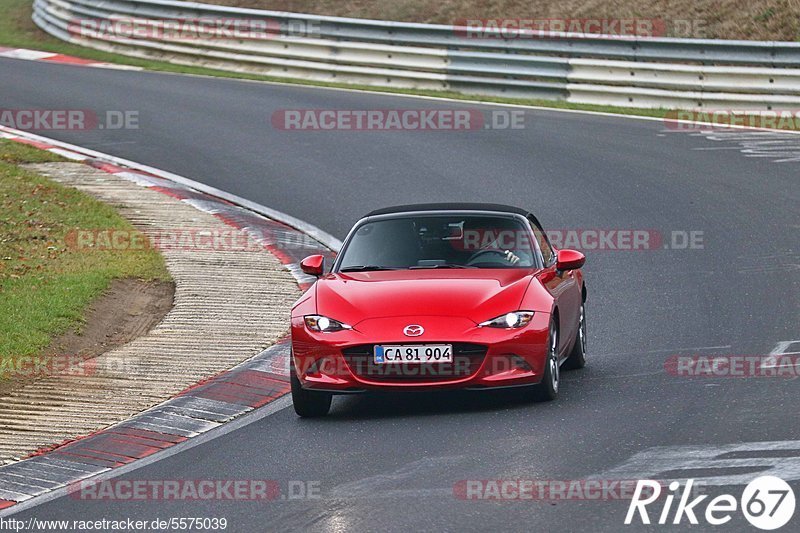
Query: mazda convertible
(438, 296)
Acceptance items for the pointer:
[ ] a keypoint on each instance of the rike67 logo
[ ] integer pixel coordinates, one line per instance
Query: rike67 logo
(767, 502)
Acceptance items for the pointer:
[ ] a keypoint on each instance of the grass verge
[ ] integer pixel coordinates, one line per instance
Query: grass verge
(45, 284)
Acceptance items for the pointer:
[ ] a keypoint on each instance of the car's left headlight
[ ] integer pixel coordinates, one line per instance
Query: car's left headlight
(324, 324)
(514, 320)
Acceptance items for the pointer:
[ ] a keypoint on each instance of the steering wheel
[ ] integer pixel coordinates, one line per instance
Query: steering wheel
(479, 253)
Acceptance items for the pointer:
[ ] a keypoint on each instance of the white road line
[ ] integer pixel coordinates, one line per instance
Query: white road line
(781, 147)
(776, 458)
(781, 349)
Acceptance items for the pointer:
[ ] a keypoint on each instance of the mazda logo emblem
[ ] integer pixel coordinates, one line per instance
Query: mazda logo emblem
(413, 330)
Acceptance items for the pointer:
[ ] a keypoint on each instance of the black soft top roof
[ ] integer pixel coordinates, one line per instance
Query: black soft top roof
(450, 207)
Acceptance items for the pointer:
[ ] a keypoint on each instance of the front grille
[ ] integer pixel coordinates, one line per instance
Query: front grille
(467, 359)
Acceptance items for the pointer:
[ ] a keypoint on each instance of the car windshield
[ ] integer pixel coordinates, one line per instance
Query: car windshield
(439, 241)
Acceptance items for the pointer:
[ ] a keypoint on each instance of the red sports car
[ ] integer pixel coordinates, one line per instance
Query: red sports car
(439, 296)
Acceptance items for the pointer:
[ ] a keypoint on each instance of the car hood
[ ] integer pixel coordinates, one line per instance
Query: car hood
(476, 294)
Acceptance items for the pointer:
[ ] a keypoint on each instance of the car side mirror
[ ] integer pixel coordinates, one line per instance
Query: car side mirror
(313, 265)
(569, 260)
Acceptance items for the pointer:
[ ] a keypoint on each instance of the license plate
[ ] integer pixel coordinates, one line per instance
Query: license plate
(414, 353)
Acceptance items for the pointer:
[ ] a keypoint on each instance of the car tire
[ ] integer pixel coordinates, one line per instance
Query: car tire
(547, 390)
(577, 357)
(309, 404)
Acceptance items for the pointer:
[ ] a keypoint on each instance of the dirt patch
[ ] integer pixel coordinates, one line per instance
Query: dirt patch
(128, 309)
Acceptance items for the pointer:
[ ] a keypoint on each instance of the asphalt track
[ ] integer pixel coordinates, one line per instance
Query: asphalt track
(390, 463)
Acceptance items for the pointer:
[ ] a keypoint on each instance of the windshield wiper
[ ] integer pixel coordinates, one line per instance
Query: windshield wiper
(444, 265)
(364, 268)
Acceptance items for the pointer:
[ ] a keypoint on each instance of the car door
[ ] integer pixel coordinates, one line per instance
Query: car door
(563, 286)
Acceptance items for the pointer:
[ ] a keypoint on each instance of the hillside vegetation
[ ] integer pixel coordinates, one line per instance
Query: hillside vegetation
(714, 19)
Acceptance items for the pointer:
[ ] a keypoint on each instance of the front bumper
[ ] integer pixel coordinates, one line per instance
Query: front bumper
(483, 357)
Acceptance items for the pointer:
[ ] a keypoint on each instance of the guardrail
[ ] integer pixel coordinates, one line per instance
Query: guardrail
(629, 72)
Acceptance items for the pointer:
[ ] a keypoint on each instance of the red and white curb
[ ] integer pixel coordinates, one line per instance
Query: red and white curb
(207, 405)
(51, 57)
